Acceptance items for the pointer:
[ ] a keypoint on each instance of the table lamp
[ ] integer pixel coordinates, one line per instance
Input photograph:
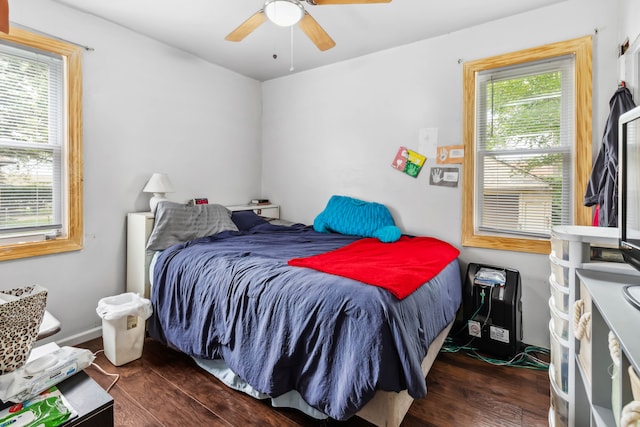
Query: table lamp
(158, 184)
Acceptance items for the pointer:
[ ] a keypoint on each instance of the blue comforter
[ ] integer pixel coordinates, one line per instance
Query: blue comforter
(280, 328)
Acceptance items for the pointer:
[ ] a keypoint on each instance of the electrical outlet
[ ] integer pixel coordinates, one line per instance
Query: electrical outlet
(475, 330)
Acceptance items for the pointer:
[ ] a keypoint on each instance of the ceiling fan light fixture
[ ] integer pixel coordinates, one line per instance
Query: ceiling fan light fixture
(284, 13)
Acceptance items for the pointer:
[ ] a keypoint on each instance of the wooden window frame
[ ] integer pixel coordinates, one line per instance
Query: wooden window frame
(581, 49)
(72, 58)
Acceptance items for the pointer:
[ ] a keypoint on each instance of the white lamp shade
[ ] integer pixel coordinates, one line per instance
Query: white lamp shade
(284, 13)
(158, 184)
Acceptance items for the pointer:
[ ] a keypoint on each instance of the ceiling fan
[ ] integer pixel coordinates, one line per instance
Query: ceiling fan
(287, 13)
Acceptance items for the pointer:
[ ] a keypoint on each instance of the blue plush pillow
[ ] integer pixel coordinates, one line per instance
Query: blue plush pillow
(245, 220)
(346, 215)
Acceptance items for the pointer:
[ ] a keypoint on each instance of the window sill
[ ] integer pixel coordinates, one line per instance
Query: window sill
(31, 249)
(535, 246)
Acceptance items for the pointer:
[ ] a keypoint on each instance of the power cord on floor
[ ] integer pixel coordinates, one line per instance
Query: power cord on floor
(117, 376)
(524, 359)
(527, 358)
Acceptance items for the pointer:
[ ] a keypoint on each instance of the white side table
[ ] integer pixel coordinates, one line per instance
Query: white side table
(49, 326)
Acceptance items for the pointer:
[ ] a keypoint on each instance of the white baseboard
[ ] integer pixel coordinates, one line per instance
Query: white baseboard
(81, 337)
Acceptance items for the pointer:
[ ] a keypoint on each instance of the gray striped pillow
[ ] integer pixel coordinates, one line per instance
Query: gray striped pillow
(176, 223)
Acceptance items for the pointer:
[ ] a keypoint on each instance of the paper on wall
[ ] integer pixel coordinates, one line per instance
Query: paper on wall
(450, 154)
(428, 141)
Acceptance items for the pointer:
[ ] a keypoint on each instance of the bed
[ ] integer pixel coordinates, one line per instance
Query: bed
(232, 297)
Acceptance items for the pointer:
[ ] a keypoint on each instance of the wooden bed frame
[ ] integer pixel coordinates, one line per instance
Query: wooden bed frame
(386, 409)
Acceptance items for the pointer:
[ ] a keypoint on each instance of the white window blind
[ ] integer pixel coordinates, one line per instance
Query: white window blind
(524, 147)
(31, 143)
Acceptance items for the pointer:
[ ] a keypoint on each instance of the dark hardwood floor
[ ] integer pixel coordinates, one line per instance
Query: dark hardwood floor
(166, 388)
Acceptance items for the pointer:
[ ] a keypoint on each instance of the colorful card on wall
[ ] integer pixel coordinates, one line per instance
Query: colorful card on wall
(408, 161)
(450, 154)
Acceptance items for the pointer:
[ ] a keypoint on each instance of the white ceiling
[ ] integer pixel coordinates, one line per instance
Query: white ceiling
(200, 26)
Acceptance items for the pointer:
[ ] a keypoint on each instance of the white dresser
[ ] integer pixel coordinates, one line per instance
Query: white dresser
(139, 227)
(569, 304)
(602, 387)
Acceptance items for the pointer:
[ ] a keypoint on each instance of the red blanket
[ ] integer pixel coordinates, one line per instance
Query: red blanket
(400, 267)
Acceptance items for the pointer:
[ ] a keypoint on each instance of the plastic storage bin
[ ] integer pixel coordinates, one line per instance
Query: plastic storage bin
(559, 359)
(552, 417)
(560, 320)
(123, 326)
(559, 412)
(560, 248)
(559, 271)
(560, 295)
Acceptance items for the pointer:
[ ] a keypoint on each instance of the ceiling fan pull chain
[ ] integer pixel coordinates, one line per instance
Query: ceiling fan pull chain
(291, 68)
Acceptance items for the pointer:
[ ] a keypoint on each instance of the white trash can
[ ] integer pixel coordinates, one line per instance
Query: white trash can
(123, 326)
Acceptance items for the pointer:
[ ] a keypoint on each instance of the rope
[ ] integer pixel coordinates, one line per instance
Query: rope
(630, 414)
(614, 349)
(581, 321)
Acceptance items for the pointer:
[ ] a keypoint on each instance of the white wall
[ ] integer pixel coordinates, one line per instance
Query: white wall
(630, 20)
(629, 64)
(335, 130)
(147, 108)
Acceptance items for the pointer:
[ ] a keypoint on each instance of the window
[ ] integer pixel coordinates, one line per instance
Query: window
(527, 138)
(40, 146)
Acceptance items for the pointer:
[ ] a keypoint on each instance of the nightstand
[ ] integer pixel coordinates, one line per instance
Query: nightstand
(92, 403)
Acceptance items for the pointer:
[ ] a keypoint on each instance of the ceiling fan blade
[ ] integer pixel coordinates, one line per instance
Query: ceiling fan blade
(4, 16)
(316, 33)
(321, 2)
(247, 27)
